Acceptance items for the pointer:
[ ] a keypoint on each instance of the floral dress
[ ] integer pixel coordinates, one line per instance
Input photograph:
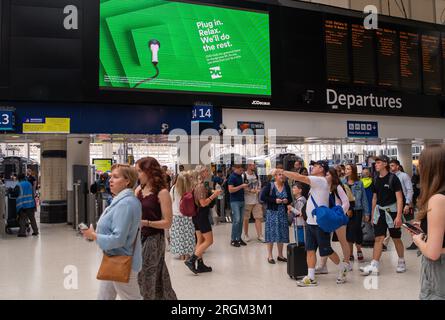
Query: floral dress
(277, 227)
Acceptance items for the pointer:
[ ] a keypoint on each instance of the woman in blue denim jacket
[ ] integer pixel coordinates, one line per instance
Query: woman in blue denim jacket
(117, 232)
(358, 208)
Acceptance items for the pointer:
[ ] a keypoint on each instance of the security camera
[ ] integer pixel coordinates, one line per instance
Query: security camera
(165, 128)
(308, 97)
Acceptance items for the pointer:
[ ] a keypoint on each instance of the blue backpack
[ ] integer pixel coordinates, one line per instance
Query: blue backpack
(329, 219)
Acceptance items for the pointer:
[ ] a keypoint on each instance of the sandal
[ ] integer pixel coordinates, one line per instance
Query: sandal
(282, 259)
(271, 261)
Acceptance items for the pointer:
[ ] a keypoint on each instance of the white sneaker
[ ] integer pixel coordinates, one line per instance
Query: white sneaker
(369, 269)
(401, 267)
(341, 277)
(246, 238)
(321, 270)
(307, 282)
(261, 239)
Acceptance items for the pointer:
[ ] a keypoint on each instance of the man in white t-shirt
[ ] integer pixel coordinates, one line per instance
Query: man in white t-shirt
(315, 237)
(251, 203)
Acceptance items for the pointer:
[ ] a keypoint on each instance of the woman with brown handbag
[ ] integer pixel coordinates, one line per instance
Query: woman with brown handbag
(117, 234)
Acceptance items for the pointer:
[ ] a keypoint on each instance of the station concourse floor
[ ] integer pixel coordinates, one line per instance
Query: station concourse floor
(33, 268)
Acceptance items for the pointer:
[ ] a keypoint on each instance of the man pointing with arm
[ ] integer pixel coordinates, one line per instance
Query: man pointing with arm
(316, 238)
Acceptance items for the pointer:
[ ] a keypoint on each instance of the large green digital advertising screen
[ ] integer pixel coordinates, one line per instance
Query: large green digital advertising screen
(178, 46)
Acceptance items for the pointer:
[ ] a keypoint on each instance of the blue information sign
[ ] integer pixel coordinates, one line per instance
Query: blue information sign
(202, 114)
(7, 121)
(34, 120)
(363, 129)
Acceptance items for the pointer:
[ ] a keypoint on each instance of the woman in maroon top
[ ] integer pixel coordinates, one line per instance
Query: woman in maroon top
(154, 279)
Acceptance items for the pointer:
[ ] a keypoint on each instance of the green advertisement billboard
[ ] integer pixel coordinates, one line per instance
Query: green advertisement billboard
(180, 46)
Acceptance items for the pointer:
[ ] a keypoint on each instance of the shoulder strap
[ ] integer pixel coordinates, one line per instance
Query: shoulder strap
(391, 179)
(313, 201)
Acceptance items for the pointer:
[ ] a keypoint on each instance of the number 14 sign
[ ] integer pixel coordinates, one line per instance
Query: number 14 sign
(202, 114)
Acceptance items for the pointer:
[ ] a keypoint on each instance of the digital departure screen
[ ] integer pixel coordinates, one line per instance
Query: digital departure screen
(409, 61)
(363, 55)
(431, 63)
(388, 57)
(178, 46)
(337, 51)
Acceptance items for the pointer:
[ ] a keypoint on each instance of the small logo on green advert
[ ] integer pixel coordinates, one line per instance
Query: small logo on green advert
(215, 73)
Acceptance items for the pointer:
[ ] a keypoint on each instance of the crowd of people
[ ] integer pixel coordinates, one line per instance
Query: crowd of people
(135, 222)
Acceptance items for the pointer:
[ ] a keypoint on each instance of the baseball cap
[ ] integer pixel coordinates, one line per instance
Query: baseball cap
(323, 164)
(382, 158)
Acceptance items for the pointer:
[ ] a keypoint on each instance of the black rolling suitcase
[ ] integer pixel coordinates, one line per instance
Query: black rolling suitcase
(296, 258)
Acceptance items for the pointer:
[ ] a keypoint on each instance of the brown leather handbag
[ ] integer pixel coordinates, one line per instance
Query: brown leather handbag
(116, 268)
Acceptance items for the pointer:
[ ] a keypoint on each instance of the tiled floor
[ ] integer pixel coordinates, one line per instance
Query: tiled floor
(33, 268)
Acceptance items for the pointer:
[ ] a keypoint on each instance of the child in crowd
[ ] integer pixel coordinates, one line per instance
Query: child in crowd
(295, 211)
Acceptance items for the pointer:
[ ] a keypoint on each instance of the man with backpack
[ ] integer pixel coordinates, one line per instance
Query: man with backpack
(316, 238)
(387, 209)
(251, 203)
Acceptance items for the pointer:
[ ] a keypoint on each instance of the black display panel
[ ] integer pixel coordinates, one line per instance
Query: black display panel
(4, 18)
(432, 83)
(337, 51)
(388, 57)
(309, 44)
(443, 61)
(409, 60)
(363, 55)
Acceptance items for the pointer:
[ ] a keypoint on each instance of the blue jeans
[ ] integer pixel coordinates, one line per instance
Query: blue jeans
(237, 219)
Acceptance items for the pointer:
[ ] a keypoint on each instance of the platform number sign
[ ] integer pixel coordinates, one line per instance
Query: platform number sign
(363, 129)
(7, 121)
(202, 114)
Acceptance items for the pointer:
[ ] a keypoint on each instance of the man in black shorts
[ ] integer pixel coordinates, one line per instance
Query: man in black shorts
(387, 208)
(316, 238)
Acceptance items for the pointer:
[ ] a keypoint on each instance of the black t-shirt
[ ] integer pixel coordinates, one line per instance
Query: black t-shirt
(386, 194)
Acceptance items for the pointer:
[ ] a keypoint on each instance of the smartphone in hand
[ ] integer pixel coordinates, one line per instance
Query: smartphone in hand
(82, 226)
(412, 228)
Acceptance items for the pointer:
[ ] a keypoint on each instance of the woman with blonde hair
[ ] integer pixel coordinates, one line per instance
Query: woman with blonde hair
(117, 232)
(182, 230)
(430, 239)
(277, 195)
(204, 235)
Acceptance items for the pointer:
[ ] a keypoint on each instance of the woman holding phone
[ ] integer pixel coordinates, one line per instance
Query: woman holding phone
(430, 239)
(117, 232)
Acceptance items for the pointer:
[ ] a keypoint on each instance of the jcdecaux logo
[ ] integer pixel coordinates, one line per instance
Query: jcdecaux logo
(337, 100)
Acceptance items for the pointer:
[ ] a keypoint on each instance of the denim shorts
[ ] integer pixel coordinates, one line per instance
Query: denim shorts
(318, 239)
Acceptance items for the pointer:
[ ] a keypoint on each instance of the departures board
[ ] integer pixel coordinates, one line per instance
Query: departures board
(392, 56)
